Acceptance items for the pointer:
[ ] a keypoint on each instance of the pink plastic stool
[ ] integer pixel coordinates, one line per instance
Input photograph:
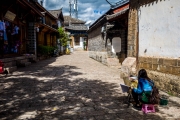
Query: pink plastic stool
(147, 108)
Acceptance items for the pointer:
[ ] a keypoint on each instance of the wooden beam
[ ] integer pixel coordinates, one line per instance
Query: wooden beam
(48, 31)
(7, 9)
(25, 16)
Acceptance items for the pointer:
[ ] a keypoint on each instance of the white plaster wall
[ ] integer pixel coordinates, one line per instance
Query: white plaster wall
(116, 44)
(59, 23)
(81, 43)
(159, 29)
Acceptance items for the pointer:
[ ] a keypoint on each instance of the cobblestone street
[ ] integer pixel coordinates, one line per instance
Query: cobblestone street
(71, 87)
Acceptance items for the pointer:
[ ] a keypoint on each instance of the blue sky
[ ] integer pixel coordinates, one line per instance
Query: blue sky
(86, 8)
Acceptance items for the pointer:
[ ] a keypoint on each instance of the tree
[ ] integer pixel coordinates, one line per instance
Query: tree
(63, 36)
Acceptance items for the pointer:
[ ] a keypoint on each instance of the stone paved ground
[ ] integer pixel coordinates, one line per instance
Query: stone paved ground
(70, 87)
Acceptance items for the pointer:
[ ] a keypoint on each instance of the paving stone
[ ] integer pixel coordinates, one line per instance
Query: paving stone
(70, 87)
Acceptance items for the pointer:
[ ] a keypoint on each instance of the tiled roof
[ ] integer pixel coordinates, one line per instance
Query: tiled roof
(76, 27)
(68, 19)
(109, 17)
(44, 10)
(120, 3)
(55, 13)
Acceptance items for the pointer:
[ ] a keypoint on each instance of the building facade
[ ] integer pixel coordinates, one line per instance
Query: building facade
(153, 41)
(77, 32)
(24, 26)
(108, 36)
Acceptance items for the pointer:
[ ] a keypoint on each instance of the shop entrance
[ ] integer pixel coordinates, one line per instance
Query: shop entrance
(10, 39)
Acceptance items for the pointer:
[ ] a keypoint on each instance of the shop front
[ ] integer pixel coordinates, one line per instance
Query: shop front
(15, 20)
(16, 38)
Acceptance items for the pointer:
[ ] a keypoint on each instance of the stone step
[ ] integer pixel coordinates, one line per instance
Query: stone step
(10, 64)
(10, 69)
(78, 49)
(24, 60)
(33, 60)
(26, 64)
(21, 62)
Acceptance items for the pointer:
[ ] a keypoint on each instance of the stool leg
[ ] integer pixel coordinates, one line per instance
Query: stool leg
(146, 109)
(153, 108)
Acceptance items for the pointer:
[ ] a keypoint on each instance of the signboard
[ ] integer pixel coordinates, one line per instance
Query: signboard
(9, 15)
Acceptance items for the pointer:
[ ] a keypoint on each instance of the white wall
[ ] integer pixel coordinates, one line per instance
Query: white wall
(159, 29)
(116, 44)
(59, 23)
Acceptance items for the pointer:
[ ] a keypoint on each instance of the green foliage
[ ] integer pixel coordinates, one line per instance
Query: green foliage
(85, 45)
(170, 93)
(46, 50)
(63, 36)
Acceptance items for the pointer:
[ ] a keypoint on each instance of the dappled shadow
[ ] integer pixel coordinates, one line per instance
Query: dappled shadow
(61, 92)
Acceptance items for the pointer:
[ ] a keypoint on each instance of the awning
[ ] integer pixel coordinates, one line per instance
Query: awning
(47, 27)
(109, 17)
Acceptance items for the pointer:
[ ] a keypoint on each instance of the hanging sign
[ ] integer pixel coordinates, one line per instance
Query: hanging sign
(9, 15)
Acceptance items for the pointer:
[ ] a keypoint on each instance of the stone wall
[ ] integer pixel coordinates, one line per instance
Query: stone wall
(164, 71)
(98, 50)
(96, 41)
(99, 56)
(132, 32)
(96, 44)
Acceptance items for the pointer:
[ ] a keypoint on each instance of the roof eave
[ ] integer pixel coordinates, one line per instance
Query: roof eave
(46, 11)
(27, 3)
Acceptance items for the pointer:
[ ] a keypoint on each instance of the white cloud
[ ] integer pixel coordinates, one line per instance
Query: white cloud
(85, 8)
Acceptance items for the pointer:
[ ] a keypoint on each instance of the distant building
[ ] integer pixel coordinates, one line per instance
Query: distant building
(107, 36)
(60, 21)
(59, 15)
(77, 30)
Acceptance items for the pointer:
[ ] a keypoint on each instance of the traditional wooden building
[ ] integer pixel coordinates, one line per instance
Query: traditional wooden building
(23, 26)
(60, 19)
(59, 15)
(17, 18)
(46, 27)
(107, 41)
(17, 45)
(78, 32)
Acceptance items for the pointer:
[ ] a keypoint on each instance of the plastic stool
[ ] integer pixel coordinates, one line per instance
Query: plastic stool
(147, 108)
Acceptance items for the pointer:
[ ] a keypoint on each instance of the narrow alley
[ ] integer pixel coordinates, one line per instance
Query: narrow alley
(68, 87)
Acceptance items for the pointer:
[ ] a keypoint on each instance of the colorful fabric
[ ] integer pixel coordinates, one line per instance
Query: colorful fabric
(143, 85)
(145, 96)
(5, 36)
(2, 28)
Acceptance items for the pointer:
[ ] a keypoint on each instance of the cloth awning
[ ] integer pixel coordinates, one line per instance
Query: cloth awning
(109, 17)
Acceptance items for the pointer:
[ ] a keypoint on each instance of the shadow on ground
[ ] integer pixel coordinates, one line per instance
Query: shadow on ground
(52, 93)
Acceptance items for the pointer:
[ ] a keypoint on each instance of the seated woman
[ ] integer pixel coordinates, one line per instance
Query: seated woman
(144, 85)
